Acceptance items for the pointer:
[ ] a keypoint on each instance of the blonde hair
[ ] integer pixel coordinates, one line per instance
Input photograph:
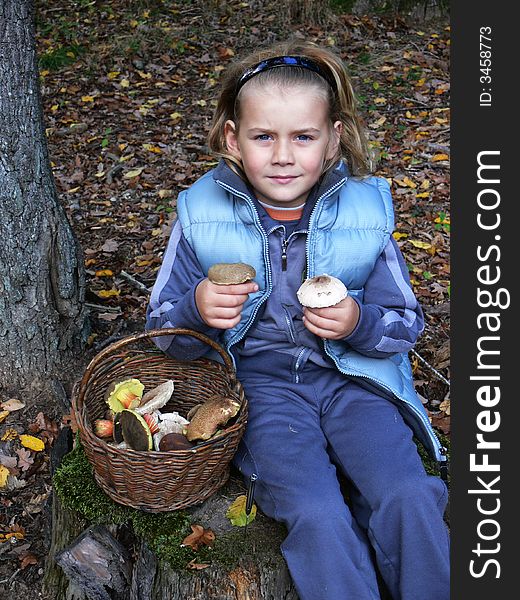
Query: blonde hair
(353, 145)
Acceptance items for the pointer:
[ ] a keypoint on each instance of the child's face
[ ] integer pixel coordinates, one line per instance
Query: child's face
(285, 137)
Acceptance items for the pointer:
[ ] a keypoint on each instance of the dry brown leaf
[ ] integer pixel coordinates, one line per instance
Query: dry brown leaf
(12, 404)
(28, 559)
(25, 460)
(195, 565)
(198, 537)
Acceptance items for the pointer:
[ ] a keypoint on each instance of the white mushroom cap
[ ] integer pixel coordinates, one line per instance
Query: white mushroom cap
(321, 291)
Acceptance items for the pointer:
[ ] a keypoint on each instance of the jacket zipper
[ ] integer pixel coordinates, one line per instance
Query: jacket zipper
(265, 246)
(284, 253)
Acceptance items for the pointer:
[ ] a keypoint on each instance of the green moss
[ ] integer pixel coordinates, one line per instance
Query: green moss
(163, 532)
(431, 466)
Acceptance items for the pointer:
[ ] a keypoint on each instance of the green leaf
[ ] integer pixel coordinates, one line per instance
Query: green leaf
(236, 513)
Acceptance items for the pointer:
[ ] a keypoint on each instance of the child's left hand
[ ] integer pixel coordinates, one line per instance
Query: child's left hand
(334, 322)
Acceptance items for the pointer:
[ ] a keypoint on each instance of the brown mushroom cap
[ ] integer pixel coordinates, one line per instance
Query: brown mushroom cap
(321, 291)
(231, 273)
(214, 412)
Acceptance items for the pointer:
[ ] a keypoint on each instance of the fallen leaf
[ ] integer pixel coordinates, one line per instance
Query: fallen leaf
(25, 460)
(198, 537)
(8, 461)
(195, 565)
(70, 421)
(10, 434)
(3, 415)
(419, 244)
(28, 559)
(236, 513)
(32, 442)
(133, 173)
(12, 404)
(107, 293)
(4, 474)
(109, 246)
(445, 406)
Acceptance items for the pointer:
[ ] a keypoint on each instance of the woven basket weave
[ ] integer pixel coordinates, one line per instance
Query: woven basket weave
(159, 481)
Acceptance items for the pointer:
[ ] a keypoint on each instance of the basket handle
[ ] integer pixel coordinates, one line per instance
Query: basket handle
(151, 333)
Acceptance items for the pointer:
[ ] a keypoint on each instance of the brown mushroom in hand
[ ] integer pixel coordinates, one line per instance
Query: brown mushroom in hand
(321, 291)
(209, 416)
(231, 273)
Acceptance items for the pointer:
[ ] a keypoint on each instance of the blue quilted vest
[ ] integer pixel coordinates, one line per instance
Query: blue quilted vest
(348, 229)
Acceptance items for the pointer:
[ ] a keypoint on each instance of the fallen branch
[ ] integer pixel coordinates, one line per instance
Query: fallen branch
(424, 361)
(133, 281)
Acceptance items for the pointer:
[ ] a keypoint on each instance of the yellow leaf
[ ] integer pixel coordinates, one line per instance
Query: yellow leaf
(397, 235)
(54, 107)
(176, 116)
(32, 442)
(409, 182)
(87, 98)
(107, 293)
(152, 148)
(112, 74)
(10, 434)
(236, 513)
(124, 83)
(423, 195)
(4, 474)
(438, 157)
(104, 273)
(3, 415)
(425, 184)
(134, 23)
(133, 173)
(419, 244)
(165, 193)
(380, 100)
(445, 406)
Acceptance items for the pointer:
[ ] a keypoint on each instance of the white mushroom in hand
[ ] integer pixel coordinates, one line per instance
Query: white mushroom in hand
(321, 291)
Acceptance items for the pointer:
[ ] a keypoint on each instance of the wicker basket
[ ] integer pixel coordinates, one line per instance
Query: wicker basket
(159, 481)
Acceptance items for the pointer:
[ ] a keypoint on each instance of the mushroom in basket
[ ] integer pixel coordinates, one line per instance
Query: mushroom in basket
(206, 418)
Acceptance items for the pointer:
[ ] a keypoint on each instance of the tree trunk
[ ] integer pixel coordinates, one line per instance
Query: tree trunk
(43, 323)
(305, 12)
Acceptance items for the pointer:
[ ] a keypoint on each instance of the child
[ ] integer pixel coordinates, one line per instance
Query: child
(329, 389)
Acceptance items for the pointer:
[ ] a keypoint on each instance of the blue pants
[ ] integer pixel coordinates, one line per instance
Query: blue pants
(301, 428)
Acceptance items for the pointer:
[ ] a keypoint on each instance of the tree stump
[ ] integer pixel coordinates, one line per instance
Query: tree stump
(88, 562)
(260, 574)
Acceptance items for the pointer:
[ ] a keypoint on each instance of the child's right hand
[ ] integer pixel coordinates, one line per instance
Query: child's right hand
(220, 306)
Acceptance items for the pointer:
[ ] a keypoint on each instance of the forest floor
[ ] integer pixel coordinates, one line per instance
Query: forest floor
(128, 90)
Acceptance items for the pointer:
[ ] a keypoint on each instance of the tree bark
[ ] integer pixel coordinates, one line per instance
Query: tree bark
(43, 322)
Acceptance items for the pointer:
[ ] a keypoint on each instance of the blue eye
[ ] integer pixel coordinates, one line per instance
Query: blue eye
(263, 137)
(303, 137)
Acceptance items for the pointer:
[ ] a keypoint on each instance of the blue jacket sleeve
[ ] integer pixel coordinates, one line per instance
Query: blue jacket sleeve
(172, 302)
(391, 318)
